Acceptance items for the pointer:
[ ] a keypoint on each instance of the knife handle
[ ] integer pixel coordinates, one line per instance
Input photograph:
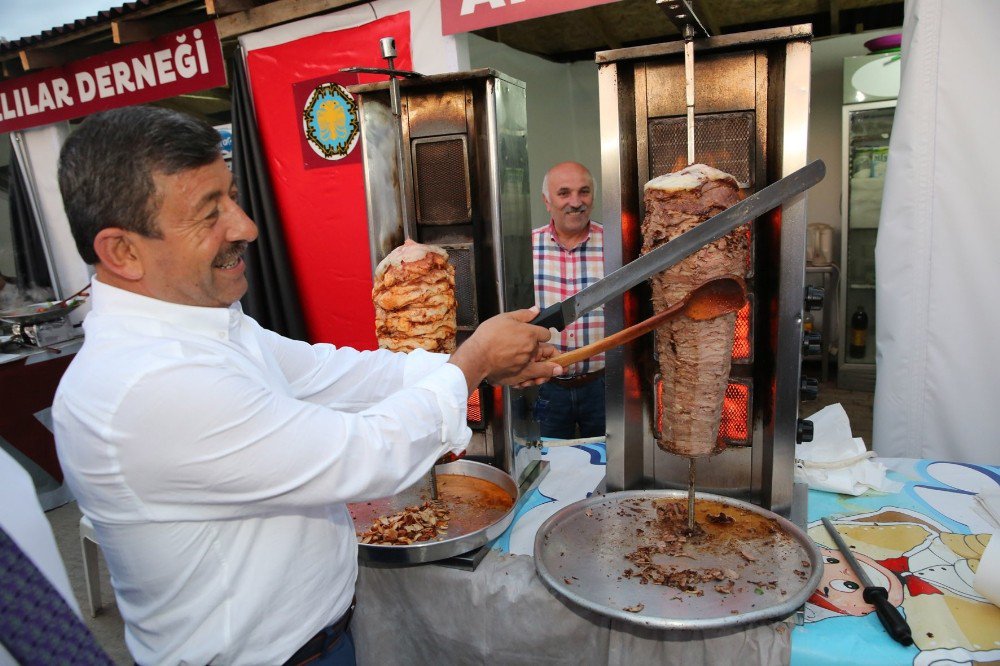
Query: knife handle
(550, 317)
(888, 614)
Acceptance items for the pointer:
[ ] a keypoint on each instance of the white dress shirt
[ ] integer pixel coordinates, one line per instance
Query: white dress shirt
(215, 457)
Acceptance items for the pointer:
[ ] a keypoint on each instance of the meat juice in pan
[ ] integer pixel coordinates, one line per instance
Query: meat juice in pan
(694, 356)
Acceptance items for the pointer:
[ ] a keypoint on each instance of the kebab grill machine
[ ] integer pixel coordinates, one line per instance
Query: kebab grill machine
(738, 103)
(741, 103)
(446, 164)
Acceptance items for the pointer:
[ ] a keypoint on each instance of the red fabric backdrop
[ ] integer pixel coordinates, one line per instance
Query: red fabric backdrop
(323, 209)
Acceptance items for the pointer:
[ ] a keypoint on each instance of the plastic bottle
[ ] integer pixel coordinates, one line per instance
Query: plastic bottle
(807, 322)
(859, 333)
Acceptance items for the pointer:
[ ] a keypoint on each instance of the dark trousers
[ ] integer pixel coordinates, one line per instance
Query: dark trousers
(566, 413)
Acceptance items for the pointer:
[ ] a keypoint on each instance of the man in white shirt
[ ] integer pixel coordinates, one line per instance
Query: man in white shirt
(214, 457)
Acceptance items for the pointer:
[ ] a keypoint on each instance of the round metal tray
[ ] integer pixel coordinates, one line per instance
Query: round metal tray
(462, 536)
(580, 555)
(40, 312)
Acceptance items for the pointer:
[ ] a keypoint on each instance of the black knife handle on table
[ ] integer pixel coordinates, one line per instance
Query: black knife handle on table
(888, 614)
(550, 317)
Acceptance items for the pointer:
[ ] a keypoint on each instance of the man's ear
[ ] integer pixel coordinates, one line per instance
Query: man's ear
(116, 249)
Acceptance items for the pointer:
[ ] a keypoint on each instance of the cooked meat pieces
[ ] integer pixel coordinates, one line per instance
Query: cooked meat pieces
(412, 524)
(694, 356)
(414, 298)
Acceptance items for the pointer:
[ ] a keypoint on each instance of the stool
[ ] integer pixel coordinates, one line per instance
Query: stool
(88, 544)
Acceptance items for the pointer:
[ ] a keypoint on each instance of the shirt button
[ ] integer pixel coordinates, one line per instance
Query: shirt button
(222, 336)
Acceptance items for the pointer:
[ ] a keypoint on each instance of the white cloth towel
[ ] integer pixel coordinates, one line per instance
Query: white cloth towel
(836, 461)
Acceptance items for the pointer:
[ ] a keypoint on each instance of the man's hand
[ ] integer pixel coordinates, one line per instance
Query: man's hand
(506, 349)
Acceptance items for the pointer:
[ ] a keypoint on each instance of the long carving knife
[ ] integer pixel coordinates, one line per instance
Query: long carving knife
(559, 315)
(894, 623)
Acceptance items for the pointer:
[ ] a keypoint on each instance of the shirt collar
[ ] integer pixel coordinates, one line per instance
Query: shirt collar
(555, 238)
(106, 299)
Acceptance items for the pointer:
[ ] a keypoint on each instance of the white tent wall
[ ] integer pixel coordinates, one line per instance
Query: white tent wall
(563, 118)
(936, 266)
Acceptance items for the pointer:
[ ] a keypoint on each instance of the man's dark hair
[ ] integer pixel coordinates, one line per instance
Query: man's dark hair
(106, 168)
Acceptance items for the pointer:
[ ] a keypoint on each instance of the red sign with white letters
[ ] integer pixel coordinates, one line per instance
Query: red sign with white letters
(176, 63)
(468, 15)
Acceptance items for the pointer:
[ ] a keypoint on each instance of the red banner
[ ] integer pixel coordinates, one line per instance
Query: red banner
(468, 15)
(306, 123)
(180, 62)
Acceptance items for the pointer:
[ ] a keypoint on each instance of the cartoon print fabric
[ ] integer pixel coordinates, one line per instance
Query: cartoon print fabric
(923, 545)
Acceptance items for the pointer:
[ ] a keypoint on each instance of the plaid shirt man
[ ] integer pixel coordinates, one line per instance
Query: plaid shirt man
(561, 273)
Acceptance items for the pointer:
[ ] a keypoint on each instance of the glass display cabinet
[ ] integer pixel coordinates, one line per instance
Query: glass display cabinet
(867, 126)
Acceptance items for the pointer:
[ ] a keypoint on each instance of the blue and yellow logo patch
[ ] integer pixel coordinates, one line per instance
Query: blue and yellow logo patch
(330, 121)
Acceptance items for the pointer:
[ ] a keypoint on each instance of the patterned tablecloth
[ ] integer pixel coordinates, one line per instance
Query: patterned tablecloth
(924, 544)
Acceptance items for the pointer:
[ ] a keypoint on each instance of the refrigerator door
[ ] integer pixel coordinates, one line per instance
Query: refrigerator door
(866, 131)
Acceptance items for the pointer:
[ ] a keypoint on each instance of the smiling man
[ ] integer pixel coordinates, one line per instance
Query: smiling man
(568, 255)
(214, 457)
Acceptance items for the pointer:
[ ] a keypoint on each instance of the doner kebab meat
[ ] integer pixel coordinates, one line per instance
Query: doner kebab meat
(694, 356)
(414, 298)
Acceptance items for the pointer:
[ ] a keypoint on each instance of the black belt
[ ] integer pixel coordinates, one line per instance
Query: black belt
(578, 380)
(324, 639)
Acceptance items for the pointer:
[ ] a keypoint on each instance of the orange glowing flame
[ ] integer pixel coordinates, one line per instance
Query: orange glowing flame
(742, 344)
(734, 426)
(475, 411)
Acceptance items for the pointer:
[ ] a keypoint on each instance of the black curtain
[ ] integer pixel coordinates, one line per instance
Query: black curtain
(272, 298)
(29, 253)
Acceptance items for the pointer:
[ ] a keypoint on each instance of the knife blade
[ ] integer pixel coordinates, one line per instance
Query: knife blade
(559, 315)
(894, 623)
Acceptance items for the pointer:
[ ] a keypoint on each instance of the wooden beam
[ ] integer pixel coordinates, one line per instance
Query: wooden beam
(44, 57)
(129, 31)
(275, 13)
(834, 17)
(225, 7)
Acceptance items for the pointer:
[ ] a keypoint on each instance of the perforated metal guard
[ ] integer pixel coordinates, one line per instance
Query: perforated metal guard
(441, 183)
(721, 140)
(460, 255)
(743, 334)
(737, 406)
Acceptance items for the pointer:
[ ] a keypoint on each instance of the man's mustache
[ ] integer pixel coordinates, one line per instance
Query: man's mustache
(575, 209)
(232, 252)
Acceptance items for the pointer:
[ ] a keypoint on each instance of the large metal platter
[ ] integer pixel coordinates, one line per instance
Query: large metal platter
(39, 312)
(465, 529)
(580, 555)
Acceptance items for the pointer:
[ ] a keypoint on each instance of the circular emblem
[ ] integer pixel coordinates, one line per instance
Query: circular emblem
(330, 121)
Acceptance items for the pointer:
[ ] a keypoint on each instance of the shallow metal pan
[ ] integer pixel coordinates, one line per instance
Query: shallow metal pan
(580, 555)
(462, 537)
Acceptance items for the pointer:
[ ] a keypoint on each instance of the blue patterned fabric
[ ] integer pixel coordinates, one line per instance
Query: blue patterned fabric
(37, 626)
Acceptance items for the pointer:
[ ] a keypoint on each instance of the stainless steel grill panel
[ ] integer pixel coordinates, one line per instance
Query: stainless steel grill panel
(441, 181)
(460, 255)
(721, 140)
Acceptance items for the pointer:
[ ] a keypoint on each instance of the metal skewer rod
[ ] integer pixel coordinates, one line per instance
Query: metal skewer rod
(691, 495)
(388, 47)
(689, 87)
